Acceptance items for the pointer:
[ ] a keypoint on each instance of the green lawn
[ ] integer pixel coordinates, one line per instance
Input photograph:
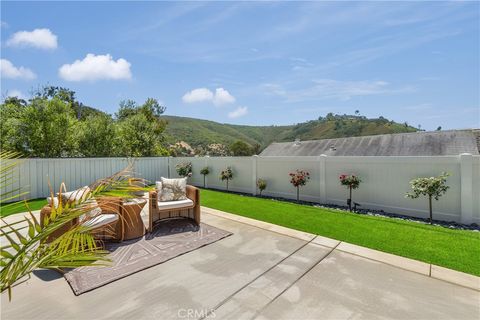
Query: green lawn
(454, 249)
(18, 207)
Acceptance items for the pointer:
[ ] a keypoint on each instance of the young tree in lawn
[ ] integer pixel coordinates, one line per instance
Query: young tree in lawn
(351, 182)
(299, 178)
(226, 174)
(261, 185)
(204, 172)
(433, 187)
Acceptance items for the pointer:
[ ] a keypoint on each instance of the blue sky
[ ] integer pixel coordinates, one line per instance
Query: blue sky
(258, 63)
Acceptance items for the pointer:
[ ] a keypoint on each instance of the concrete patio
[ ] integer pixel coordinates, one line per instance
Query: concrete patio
(262, 271)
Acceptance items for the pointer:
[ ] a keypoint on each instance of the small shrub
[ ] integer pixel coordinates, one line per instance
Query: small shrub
(351, 182)
(433, 187)
(184, 169)
(204, 172)
(261, 185)
(299, 178)
(226, 174)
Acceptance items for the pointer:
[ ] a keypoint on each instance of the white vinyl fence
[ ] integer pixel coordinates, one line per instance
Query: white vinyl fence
(385, 180)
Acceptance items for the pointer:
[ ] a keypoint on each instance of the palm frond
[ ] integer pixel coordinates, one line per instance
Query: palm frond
(29, 242)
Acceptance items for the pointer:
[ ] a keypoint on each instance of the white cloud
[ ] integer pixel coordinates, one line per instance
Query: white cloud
(15, 93)
(96, 67)
(9, 71)
(334, 89)
(38, 38)
(237, 113)
(198, 95)
(220, 97)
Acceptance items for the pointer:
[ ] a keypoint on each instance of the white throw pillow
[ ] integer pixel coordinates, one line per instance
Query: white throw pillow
(76, 195)
(173, 189)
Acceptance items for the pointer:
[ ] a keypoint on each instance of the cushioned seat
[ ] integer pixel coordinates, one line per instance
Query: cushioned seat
(101, 220)
(165, 205)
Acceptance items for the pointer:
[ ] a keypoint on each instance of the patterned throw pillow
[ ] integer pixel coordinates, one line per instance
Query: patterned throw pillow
(173, 189)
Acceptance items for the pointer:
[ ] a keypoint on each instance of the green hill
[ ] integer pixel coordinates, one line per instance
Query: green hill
(197, 132)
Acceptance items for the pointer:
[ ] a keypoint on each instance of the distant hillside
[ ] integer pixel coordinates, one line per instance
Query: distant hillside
(197, 132)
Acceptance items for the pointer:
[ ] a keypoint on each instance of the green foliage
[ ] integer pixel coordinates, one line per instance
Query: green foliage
(226, 175)
(433, 187)
(96, 136)
(240, 148)
(54, 124)
(351, 181)
(184, 169)
(261, 185)
(205, 171)
(47, 128)
(454, 249)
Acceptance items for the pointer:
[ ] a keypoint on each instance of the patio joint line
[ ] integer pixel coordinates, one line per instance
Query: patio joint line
(298, 279)
(254, 279)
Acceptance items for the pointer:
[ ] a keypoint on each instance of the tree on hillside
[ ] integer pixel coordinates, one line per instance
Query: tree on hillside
(240, 148)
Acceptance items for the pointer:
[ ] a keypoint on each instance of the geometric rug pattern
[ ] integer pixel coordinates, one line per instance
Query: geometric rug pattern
(169, 239)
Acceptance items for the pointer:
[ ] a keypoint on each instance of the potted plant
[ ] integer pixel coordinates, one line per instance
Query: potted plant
(351, 182)
(184, 169)
(433, 187)
(226, 174)
(299, 178)
(261, 185)
(204, 172)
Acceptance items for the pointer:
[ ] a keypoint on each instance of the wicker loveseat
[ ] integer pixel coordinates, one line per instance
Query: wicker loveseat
(106, 225)
(189, 208)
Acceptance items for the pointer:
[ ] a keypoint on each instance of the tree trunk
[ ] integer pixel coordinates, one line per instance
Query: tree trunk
(298, 194)
(430, 208)
(227, 184)
(203, 181)
(350, 200)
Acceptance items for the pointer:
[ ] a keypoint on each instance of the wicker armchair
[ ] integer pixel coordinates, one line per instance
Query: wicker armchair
(106, 226)
(189, 208)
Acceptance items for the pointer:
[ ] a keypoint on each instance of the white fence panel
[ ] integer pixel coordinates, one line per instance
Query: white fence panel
(476, 189)
(385, 180)
(275, 171)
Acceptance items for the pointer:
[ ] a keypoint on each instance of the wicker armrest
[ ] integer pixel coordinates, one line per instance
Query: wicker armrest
(153, 196)
(193, 194)
(110, 204)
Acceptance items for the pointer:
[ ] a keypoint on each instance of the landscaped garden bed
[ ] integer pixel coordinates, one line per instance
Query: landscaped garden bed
(450, 248)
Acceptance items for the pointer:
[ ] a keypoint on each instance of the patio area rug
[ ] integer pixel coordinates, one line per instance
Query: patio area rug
(170, 239)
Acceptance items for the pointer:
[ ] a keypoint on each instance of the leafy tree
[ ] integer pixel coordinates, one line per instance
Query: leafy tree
(433, 187)
(257, 148)
(261, 185)
(136, 137)
(140, 129)
(10, 129)
(240, 148)
(48, 128)
(226, 175)
(205, 171)
(96, 136)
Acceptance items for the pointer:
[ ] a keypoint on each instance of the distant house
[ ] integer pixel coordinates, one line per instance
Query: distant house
(434, 143)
